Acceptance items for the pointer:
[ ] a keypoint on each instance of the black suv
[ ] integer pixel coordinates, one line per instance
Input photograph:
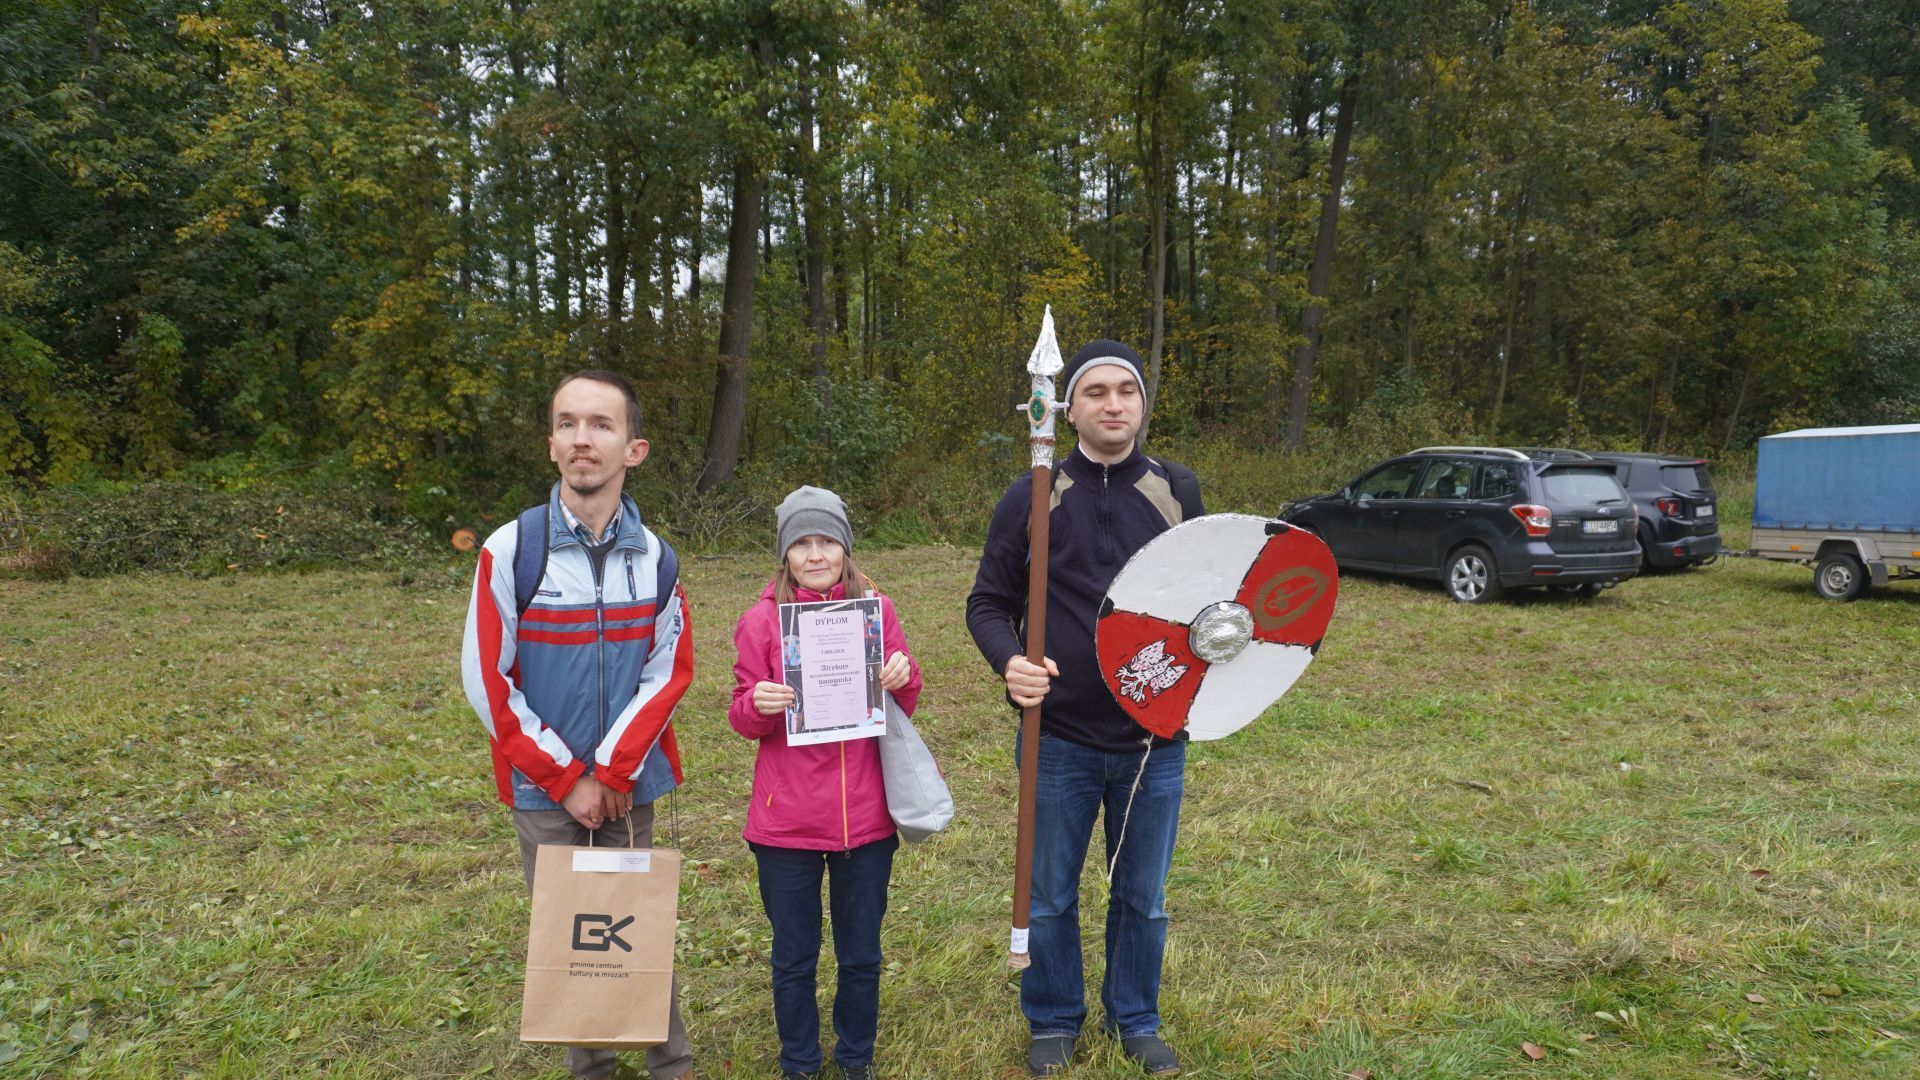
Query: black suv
(1679, 522)
(1482, 519)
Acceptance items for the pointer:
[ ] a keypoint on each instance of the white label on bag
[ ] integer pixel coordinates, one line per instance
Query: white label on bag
(611, 861)
(1019, 941)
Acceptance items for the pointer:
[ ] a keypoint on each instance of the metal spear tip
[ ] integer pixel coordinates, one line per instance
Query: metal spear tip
(1045, 358)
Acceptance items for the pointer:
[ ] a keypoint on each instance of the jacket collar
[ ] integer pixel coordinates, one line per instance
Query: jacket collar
(629, 534)
(1086, 470)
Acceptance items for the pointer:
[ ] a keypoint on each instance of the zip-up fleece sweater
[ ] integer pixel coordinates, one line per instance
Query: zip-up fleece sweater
(1101, 515)
(587, 681)
(827, 797)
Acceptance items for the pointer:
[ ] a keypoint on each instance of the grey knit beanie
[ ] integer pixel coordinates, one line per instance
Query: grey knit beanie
(807, 511)
(1100, 354)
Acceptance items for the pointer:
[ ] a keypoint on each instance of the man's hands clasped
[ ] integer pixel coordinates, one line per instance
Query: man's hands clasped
(593, 803)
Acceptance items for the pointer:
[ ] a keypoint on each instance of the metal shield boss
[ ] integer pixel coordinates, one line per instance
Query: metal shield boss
(1212, 621)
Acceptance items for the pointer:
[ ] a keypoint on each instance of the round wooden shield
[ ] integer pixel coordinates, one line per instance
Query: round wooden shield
(1212, 621)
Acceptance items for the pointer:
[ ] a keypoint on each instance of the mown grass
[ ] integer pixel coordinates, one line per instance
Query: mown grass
(249, 830)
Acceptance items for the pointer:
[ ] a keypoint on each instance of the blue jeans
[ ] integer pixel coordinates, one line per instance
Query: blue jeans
(857, 892)
(1075, 783)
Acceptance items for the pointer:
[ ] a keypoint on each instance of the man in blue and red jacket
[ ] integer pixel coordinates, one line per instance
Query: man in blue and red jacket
(1109, 499)
(577, 649)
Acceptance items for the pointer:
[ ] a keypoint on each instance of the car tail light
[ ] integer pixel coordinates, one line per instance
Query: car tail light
(1537, 519)
(1669, 506)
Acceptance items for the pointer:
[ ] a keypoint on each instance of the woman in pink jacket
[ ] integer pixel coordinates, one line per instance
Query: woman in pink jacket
(818, 809)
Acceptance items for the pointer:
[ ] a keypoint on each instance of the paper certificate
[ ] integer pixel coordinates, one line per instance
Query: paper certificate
(831, 652)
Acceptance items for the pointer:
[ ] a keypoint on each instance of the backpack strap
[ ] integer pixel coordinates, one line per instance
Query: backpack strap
(666, 578)
(1186, 488)
(529, 556)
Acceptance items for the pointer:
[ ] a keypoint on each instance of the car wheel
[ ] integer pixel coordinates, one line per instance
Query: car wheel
(1840, 576)
(1646, 550)
(1469, 575)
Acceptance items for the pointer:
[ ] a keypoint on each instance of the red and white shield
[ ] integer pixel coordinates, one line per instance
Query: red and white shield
(1210, 623)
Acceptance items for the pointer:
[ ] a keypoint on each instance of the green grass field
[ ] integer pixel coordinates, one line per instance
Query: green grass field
(249, 830)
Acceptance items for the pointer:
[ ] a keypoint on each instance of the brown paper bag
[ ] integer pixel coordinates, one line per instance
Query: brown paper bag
(600, 950)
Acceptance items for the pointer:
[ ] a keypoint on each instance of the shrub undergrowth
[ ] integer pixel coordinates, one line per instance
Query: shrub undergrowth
(242, 513)
(178, 526)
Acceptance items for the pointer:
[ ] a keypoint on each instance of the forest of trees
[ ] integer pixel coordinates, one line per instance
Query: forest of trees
(247, 234)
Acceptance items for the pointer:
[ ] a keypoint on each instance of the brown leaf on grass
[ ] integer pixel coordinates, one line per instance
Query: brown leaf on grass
(1758, 873)
(1533, 1051)
(1756, 999)
(1360, 1074)
(1477, 785)
(1588, 1038)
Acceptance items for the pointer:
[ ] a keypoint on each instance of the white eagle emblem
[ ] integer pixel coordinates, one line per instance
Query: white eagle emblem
(1150, 669)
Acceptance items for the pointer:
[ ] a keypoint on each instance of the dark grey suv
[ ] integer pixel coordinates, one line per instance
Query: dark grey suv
(1480, 520)
(1678, 508)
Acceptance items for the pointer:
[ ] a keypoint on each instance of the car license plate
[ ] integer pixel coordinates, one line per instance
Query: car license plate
(1600, 528)
(1703, 511)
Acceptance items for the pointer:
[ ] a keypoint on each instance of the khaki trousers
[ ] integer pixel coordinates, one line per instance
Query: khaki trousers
(536, 827)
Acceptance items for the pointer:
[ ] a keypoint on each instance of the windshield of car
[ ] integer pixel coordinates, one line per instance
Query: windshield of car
(1582, 486)
(1687, 478)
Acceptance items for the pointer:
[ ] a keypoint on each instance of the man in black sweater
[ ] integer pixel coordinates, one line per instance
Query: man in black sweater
(1108, 501)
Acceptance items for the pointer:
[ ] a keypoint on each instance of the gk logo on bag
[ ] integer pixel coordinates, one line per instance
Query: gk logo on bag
(599, 933)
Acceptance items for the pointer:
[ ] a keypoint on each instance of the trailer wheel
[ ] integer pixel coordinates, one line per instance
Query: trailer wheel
(1840, 576)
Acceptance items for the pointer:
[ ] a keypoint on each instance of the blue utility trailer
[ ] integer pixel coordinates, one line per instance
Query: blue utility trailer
(1846, 500)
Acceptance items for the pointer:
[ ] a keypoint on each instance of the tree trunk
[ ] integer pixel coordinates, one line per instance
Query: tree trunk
(1113, 254)
(1319, 277)
(812, 210)
(1157, 335)
(836, 211)
(736, 327)
(1739, 404)
(1577, 360)
(1193, 269)
(520, 246)
(1270, 189)
(561, 285)
(1666, 399)
(469, 245)
(698, 251)
(1515, 228)
(616, 253)
(669, 267)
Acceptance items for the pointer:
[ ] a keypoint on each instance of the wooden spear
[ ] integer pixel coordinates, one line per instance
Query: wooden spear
(1043, 365)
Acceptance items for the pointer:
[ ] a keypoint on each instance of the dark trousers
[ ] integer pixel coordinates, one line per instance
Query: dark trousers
(857, 895)
(670, 1059)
